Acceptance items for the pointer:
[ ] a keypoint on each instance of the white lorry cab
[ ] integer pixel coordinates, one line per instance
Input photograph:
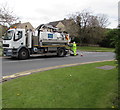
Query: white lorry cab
(22, 43)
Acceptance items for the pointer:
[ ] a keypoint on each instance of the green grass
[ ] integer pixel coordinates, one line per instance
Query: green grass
(82, 86)
(95, 49)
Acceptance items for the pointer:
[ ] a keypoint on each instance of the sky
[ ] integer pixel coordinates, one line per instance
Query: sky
(44, 11)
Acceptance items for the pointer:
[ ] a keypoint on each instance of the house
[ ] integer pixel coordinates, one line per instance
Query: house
(26, 25)
(62, 24)
(1, 42)
(2, 30)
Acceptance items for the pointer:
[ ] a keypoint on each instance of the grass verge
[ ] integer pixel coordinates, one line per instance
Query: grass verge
(95, 49)
(83, 86)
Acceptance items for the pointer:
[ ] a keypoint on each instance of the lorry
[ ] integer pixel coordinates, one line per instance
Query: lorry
(46, 39)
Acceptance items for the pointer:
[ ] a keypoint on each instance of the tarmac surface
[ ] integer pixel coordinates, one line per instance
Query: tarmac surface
(12, 66)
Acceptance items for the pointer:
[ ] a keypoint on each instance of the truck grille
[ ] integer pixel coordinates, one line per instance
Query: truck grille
(5, 45)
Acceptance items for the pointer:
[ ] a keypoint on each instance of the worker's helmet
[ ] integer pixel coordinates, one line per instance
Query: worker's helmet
(73, 42)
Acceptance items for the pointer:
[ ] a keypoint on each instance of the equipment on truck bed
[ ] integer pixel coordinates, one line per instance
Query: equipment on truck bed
(22, 43)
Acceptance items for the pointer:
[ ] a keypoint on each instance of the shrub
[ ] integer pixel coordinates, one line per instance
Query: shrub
(109, 39)
(117, 51)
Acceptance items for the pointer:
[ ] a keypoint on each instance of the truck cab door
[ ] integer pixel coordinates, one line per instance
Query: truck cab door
(18, 39)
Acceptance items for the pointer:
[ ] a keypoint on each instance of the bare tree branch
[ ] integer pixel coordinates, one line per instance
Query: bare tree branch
(90, 28)
(7, 16)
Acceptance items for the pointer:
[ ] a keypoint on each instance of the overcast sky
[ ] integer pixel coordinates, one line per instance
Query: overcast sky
(43, 11)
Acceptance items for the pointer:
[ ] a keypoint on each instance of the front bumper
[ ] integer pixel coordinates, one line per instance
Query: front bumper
(10, 52)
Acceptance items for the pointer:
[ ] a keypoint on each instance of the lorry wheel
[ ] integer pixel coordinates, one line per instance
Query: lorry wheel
(61, 52)
(23, 54)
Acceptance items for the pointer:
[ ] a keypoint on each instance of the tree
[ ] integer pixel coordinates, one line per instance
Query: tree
(117, 47)
(72, 29)
(6, 16)
(90, 28)
(109, 39)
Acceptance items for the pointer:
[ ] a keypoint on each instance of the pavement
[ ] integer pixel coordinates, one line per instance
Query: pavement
(15, 68)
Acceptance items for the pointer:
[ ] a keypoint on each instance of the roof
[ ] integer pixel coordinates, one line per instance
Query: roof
(54, 23)
(23, 25)
(3, 26)
(64, 22)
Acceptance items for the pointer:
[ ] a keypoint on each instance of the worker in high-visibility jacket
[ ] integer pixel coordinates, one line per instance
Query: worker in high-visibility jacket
(74, 48)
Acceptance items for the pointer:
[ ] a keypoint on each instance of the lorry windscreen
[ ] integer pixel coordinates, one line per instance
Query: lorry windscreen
(8, 35)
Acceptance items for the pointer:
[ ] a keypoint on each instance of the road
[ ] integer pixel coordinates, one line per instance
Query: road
(12, 66)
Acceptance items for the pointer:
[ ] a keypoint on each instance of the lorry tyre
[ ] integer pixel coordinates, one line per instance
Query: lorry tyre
(61, 52)
(23, 54)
